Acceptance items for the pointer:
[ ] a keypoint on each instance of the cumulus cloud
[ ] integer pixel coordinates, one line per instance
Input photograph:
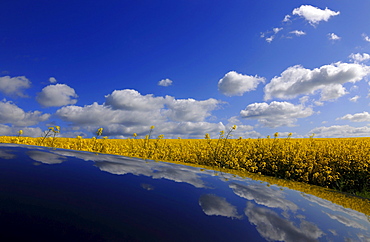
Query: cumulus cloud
(127, 111)
(357, 117)
(165, 82)
(313, 14)
(341, 131)
(333, 36)
(56, 95)
(27, 131)
(129, 99)
(96, 114)
(190, 109)
(297, 80)
(298, 32)
(357, 58)
(332, 92)
(14, 85)
(235, 84)
(275, 114)
(169, 129)
(12, 114)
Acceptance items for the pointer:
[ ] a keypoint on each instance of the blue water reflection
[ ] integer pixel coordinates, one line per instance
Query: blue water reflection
(62, 194)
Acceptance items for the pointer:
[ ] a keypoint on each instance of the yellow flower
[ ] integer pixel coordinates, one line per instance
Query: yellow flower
(207, 136)
(234, 127)
(20, 132)
(99, 132)
(134, 135)
(152, 127)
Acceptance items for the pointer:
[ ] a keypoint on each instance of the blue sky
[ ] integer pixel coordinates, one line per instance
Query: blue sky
(186, 67)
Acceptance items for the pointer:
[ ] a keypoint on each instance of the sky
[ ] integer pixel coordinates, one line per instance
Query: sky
(186, 67)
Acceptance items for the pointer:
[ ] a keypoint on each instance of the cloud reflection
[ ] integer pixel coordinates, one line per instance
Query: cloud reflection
(215, 205)
(121, 165)
(264, 195)
(6, 155)
(45, 157)
(273, 227)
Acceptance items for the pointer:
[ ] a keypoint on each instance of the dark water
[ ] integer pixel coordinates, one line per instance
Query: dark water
(62, 195)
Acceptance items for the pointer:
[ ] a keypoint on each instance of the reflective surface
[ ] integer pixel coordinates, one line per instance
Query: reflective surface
(63, 195)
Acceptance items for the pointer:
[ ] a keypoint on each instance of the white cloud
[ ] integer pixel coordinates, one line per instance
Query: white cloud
(235, 84)
(194, 129)
(270, 39)
(56, 96)
(354, 99)
(297, 80)
(165, 82)
(286, 18)
(332, 92)
(12, 114)
(14, 85)
(127, 111)
(277, 30)
(298, 32)
(366, 38)
(96, 114)
(333, 36)
(190, 109)
(52, 80)
(27, 131)
(276, 114)
(357, 117)
(313, 14)
(129, 99)
(357, 58)
(341, 131)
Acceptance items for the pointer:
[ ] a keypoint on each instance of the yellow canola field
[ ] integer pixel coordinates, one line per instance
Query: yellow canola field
(338, 163)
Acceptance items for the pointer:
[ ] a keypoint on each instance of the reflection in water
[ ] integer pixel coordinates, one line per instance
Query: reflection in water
(119, 165)
(346, 221)
(215, 205)
(147, 186)
(45, 157)
(264, 195)
(6, 155)
(275, 214)
(273, 227)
